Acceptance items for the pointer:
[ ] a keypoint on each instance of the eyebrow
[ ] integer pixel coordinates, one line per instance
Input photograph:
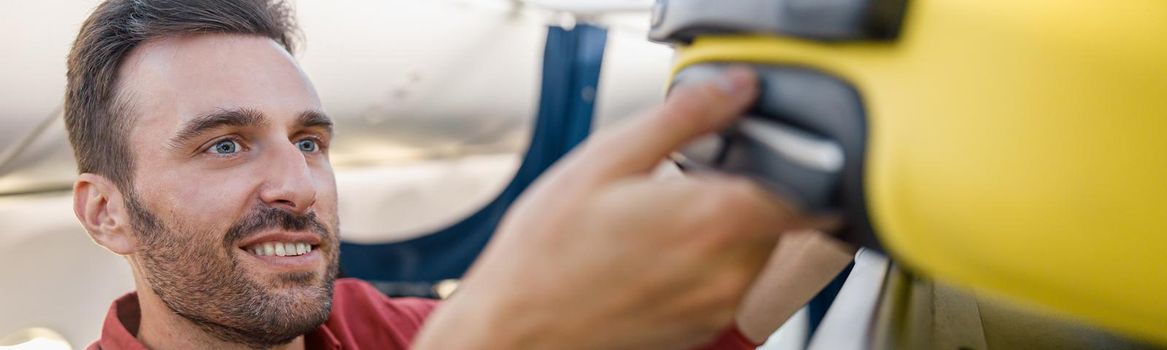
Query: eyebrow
(315, 119)
(241, 117)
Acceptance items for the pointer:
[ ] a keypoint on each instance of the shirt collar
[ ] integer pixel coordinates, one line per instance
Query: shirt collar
(120, 329)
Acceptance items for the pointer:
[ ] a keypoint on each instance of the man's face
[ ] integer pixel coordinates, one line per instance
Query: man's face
(232, 185)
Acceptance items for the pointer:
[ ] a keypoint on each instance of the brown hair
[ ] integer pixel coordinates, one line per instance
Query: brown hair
(96, 115)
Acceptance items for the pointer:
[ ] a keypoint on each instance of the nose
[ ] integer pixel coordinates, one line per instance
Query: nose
(288, 184)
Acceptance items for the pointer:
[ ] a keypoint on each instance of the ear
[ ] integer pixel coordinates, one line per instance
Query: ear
(99, 205)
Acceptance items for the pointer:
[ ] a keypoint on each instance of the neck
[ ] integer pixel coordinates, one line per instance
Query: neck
(161, 328)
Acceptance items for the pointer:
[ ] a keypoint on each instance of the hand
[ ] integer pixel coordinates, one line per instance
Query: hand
(599, 255)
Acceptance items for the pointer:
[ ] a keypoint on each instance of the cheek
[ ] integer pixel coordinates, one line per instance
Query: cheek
(326, 195)
(206, 200)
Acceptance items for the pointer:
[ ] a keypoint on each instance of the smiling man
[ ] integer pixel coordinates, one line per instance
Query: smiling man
(204, 161)
(203, 151)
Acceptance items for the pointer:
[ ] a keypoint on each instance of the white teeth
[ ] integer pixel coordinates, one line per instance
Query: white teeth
(281, 249)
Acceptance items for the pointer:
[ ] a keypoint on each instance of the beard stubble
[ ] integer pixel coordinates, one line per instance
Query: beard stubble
(203, 282)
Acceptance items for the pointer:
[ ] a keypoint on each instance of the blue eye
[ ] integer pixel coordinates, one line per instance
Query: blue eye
(225, 147)
(307, 145)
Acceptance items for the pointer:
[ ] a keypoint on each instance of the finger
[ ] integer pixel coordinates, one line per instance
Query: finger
(739, 210)
(638, 145)
(766, 216)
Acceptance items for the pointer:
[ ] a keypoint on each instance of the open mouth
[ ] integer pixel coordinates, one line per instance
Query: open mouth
(285, 251)
(284, 254)
(280, 248)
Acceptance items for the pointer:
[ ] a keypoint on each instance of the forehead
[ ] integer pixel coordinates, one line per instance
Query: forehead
(170, 80)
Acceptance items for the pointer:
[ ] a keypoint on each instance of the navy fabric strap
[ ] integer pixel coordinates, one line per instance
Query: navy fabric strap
(571, 74)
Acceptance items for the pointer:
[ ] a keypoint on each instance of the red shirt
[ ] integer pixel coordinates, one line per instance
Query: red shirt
(361, 318)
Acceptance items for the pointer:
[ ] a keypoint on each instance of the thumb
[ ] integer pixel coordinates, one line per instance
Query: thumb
(691, 111)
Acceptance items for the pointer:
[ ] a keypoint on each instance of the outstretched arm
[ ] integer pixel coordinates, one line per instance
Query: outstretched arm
(597, 254)
(803, 263)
